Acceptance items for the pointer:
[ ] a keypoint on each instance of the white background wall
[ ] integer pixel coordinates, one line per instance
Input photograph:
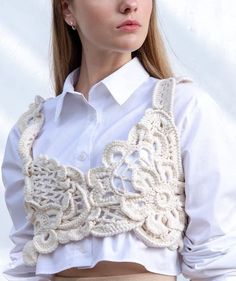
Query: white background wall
(199, 35)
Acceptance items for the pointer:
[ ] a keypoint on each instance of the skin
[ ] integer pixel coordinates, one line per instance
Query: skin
(105, 48)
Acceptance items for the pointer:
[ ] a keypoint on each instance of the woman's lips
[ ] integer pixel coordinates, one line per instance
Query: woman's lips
(129, 22)
(129, 25)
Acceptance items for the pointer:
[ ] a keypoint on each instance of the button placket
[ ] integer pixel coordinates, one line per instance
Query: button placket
(82, 153)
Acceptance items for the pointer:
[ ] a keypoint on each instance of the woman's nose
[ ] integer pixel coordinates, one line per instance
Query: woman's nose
(128, 6)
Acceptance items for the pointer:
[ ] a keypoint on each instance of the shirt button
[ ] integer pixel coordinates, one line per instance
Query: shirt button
(82, 156)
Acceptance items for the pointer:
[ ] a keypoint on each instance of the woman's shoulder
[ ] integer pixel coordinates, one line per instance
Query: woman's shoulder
(188, 96)
(192, 97)
(196, 107)
(186, 90)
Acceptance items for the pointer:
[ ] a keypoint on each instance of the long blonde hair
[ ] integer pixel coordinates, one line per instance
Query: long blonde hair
(66, 49)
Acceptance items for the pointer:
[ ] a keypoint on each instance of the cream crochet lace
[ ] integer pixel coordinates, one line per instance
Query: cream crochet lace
(139, 187)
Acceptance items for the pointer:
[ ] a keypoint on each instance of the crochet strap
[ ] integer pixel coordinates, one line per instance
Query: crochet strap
(164, 93)
(29, 125)
(31, 114)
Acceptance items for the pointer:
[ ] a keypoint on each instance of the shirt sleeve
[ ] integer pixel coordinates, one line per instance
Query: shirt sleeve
(22, 229)
(208, 150)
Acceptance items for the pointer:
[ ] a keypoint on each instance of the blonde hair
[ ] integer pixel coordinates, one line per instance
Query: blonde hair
(66, 49)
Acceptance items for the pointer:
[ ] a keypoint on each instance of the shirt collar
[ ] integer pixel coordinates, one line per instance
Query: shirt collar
(120, 84)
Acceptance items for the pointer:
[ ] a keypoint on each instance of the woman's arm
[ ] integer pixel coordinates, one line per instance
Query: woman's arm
(22, 230)
(209, 160)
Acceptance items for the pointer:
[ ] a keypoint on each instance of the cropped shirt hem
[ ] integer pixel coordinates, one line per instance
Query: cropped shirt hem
(74, 264)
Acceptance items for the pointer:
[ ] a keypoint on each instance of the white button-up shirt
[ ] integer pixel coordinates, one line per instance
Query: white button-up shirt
(75, 132)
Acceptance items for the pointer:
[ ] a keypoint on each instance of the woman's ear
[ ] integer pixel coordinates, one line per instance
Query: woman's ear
(67, 12)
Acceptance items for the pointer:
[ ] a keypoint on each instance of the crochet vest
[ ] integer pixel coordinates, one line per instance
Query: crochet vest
(64, 204)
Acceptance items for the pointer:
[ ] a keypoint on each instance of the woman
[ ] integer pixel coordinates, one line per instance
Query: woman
(128, 173)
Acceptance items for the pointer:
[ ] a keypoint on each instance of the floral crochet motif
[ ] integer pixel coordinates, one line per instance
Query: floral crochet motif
(139, 187)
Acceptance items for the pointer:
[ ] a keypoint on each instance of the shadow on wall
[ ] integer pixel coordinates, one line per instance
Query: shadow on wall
(207, 66)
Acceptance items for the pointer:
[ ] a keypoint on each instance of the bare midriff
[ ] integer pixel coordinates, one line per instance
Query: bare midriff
(108, 268)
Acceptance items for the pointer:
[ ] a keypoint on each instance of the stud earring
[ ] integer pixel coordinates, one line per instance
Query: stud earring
(73, 26)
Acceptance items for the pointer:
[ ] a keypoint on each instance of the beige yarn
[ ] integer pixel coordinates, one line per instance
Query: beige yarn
(139, 187)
